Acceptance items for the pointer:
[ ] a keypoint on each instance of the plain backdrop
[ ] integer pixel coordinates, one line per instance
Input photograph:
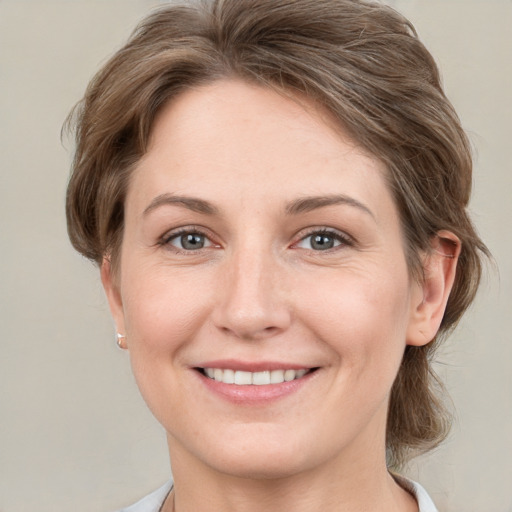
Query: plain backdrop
(74, 432)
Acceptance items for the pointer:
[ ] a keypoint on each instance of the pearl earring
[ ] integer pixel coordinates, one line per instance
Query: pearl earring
(121, 341)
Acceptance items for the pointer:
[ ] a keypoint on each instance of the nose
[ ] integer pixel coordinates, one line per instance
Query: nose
(252, 303)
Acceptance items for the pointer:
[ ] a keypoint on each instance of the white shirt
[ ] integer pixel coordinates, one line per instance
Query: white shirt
(154, 501)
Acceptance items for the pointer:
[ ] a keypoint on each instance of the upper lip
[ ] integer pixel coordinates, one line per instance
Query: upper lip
(252, 366)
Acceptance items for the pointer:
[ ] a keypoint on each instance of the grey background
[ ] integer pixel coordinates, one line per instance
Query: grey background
(74, 432)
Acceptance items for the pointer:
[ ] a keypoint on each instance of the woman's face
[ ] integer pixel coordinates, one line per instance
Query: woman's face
(263, 287)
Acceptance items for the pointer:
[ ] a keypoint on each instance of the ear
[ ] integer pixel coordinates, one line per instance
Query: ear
(429, 297)
(113, 295)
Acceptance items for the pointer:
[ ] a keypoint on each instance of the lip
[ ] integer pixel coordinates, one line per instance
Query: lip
(252, 366)
(252, 395)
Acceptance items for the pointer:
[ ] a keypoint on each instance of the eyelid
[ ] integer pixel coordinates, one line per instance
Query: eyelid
(344, 238)
(164, 240)
(174, 233)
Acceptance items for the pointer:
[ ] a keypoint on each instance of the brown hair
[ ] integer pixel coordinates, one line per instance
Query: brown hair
(359, 59)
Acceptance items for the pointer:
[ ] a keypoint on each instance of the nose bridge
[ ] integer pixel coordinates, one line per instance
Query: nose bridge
(252, 304)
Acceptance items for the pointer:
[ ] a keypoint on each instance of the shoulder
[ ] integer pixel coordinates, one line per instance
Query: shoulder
(152, 502)
(425, 503)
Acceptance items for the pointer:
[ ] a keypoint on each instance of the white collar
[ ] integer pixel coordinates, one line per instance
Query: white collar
(154, 501)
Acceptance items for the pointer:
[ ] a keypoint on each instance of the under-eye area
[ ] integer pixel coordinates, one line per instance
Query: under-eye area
(262, 378)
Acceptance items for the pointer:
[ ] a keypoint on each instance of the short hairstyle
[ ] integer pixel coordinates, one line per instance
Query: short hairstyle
(360, 60)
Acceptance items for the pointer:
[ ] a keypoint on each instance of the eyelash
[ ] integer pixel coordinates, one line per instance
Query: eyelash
(342, 238)
(165, 241)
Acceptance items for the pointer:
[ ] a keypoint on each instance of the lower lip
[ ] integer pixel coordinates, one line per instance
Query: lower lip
(252, 394)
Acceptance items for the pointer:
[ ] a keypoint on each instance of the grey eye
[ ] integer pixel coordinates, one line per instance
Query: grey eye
(190, 241)
(321, 241)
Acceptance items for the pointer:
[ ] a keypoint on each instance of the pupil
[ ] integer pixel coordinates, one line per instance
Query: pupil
(322, 242)
(192, 241)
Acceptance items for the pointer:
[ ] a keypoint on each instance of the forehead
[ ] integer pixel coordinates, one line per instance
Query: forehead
(236, 140)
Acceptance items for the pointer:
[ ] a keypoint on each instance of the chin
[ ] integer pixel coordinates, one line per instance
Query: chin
(261, 457)
(265, 466)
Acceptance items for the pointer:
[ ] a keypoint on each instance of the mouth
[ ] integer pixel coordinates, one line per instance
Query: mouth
(260, 378)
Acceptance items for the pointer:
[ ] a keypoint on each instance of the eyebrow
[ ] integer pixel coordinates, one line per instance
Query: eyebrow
(307, 204)
(191, 203)
(301, 205)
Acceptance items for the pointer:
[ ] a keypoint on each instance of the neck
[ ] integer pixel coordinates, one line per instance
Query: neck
(353, 485)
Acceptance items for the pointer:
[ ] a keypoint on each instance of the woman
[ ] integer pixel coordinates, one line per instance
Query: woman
(276, 195)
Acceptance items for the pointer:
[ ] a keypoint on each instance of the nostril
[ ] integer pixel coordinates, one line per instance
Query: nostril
(248, 331)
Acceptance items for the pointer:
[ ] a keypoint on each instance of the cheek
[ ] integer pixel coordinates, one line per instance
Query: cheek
(163, 313)
(164, 309)
(362, 316)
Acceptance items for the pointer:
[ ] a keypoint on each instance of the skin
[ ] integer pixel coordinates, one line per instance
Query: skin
(259, 290)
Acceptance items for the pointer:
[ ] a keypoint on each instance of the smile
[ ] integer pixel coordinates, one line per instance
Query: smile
(244, 378)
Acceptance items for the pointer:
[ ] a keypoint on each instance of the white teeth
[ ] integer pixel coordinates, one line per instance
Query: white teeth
(255, 378)
(289, 375)
(276, 376)
(228, 377)
(261, 378)
(241, 378)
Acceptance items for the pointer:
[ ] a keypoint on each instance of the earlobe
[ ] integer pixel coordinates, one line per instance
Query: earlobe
(429, 297)
(113, 294)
